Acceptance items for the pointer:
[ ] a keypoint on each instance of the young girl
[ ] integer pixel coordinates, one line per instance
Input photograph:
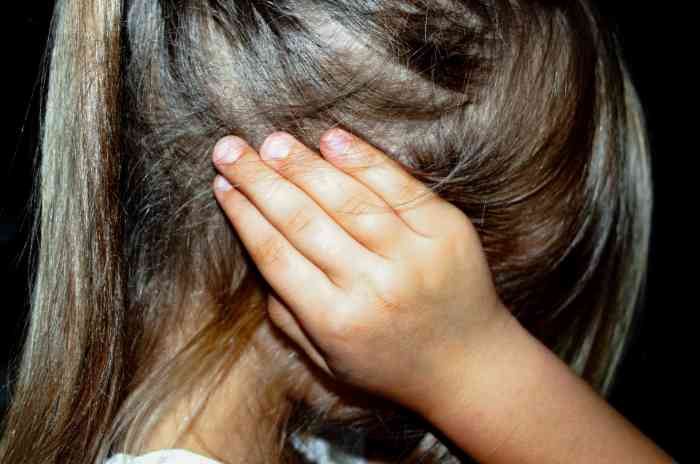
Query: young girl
(433, 255)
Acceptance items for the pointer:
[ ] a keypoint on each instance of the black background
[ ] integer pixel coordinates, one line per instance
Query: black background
(648, 391)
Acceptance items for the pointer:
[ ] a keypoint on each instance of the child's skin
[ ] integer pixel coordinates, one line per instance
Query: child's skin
(399, 300)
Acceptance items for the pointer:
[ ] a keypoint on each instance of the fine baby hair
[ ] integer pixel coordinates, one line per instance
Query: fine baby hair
(521, 113)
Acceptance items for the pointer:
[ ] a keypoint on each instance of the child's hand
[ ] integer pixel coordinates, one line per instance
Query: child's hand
(374, 295)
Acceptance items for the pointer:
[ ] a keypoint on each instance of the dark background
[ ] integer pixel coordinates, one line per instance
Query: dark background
(650, 380)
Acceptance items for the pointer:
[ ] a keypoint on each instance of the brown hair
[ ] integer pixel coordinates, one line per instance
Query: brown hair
(521, 113)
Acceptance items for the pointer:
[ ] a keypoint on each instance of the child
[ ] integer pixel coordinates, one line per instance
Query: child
(491, 211)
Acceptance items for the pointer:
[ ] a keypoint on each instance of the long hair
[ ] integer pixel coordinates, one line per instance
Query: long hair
(521, 113)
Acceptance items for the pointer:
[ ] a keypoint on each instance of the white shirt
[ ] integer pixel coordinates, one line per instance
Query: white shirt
(170, 456)
(315, 449)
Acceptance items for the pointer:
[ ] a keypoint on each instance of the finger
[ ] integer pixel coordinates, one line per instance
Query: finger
(293, 213)
(283, 318)
(293, 277)
(360, 211)
(421, 209)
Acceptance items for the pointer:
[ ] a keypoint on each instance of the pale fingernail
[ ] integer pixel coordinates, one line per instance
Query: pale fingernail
(338, 140)
(221, 184)
(228, 150)
(277, 146)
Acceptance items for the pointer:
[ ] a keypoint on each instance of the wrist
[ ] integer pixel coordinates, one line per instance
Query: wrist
(460, 365)
(482, 385)
(505, 397)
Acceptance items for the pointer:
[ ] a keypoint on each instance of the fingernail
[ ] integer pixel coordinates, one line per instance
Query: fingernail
(228, 149)
(221, 184)
(276, 146)
(338, 140)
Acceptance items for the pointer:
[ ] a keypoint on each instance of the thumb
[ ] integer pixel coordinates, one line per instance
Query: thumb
(283, 318)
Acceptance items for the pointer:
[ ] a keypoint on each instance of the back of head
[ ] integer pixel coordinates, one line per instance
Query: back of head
(519, 112)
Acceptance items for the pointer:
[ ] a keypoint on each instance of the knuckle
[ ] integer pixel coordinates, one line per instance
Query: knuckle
(344, 323)
(388, 303)
(298, 221)
(255, 175)
(393, 287)
(373, 227)
(457, 229)
(358, 160)
(270, 251)
(463, 233)
(348, 339)
(386, 277)
(295, 166)
(353, 205)
(409, 193)
(364, 212)
(460, 223)
(338, 328)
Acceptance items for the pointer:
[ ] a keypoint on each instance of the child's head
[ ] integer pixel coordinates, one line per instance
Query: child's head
(518, 112)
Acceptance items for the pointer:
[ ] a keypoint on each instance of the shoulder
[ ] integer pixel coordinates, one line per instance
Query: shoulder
(171, 456)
